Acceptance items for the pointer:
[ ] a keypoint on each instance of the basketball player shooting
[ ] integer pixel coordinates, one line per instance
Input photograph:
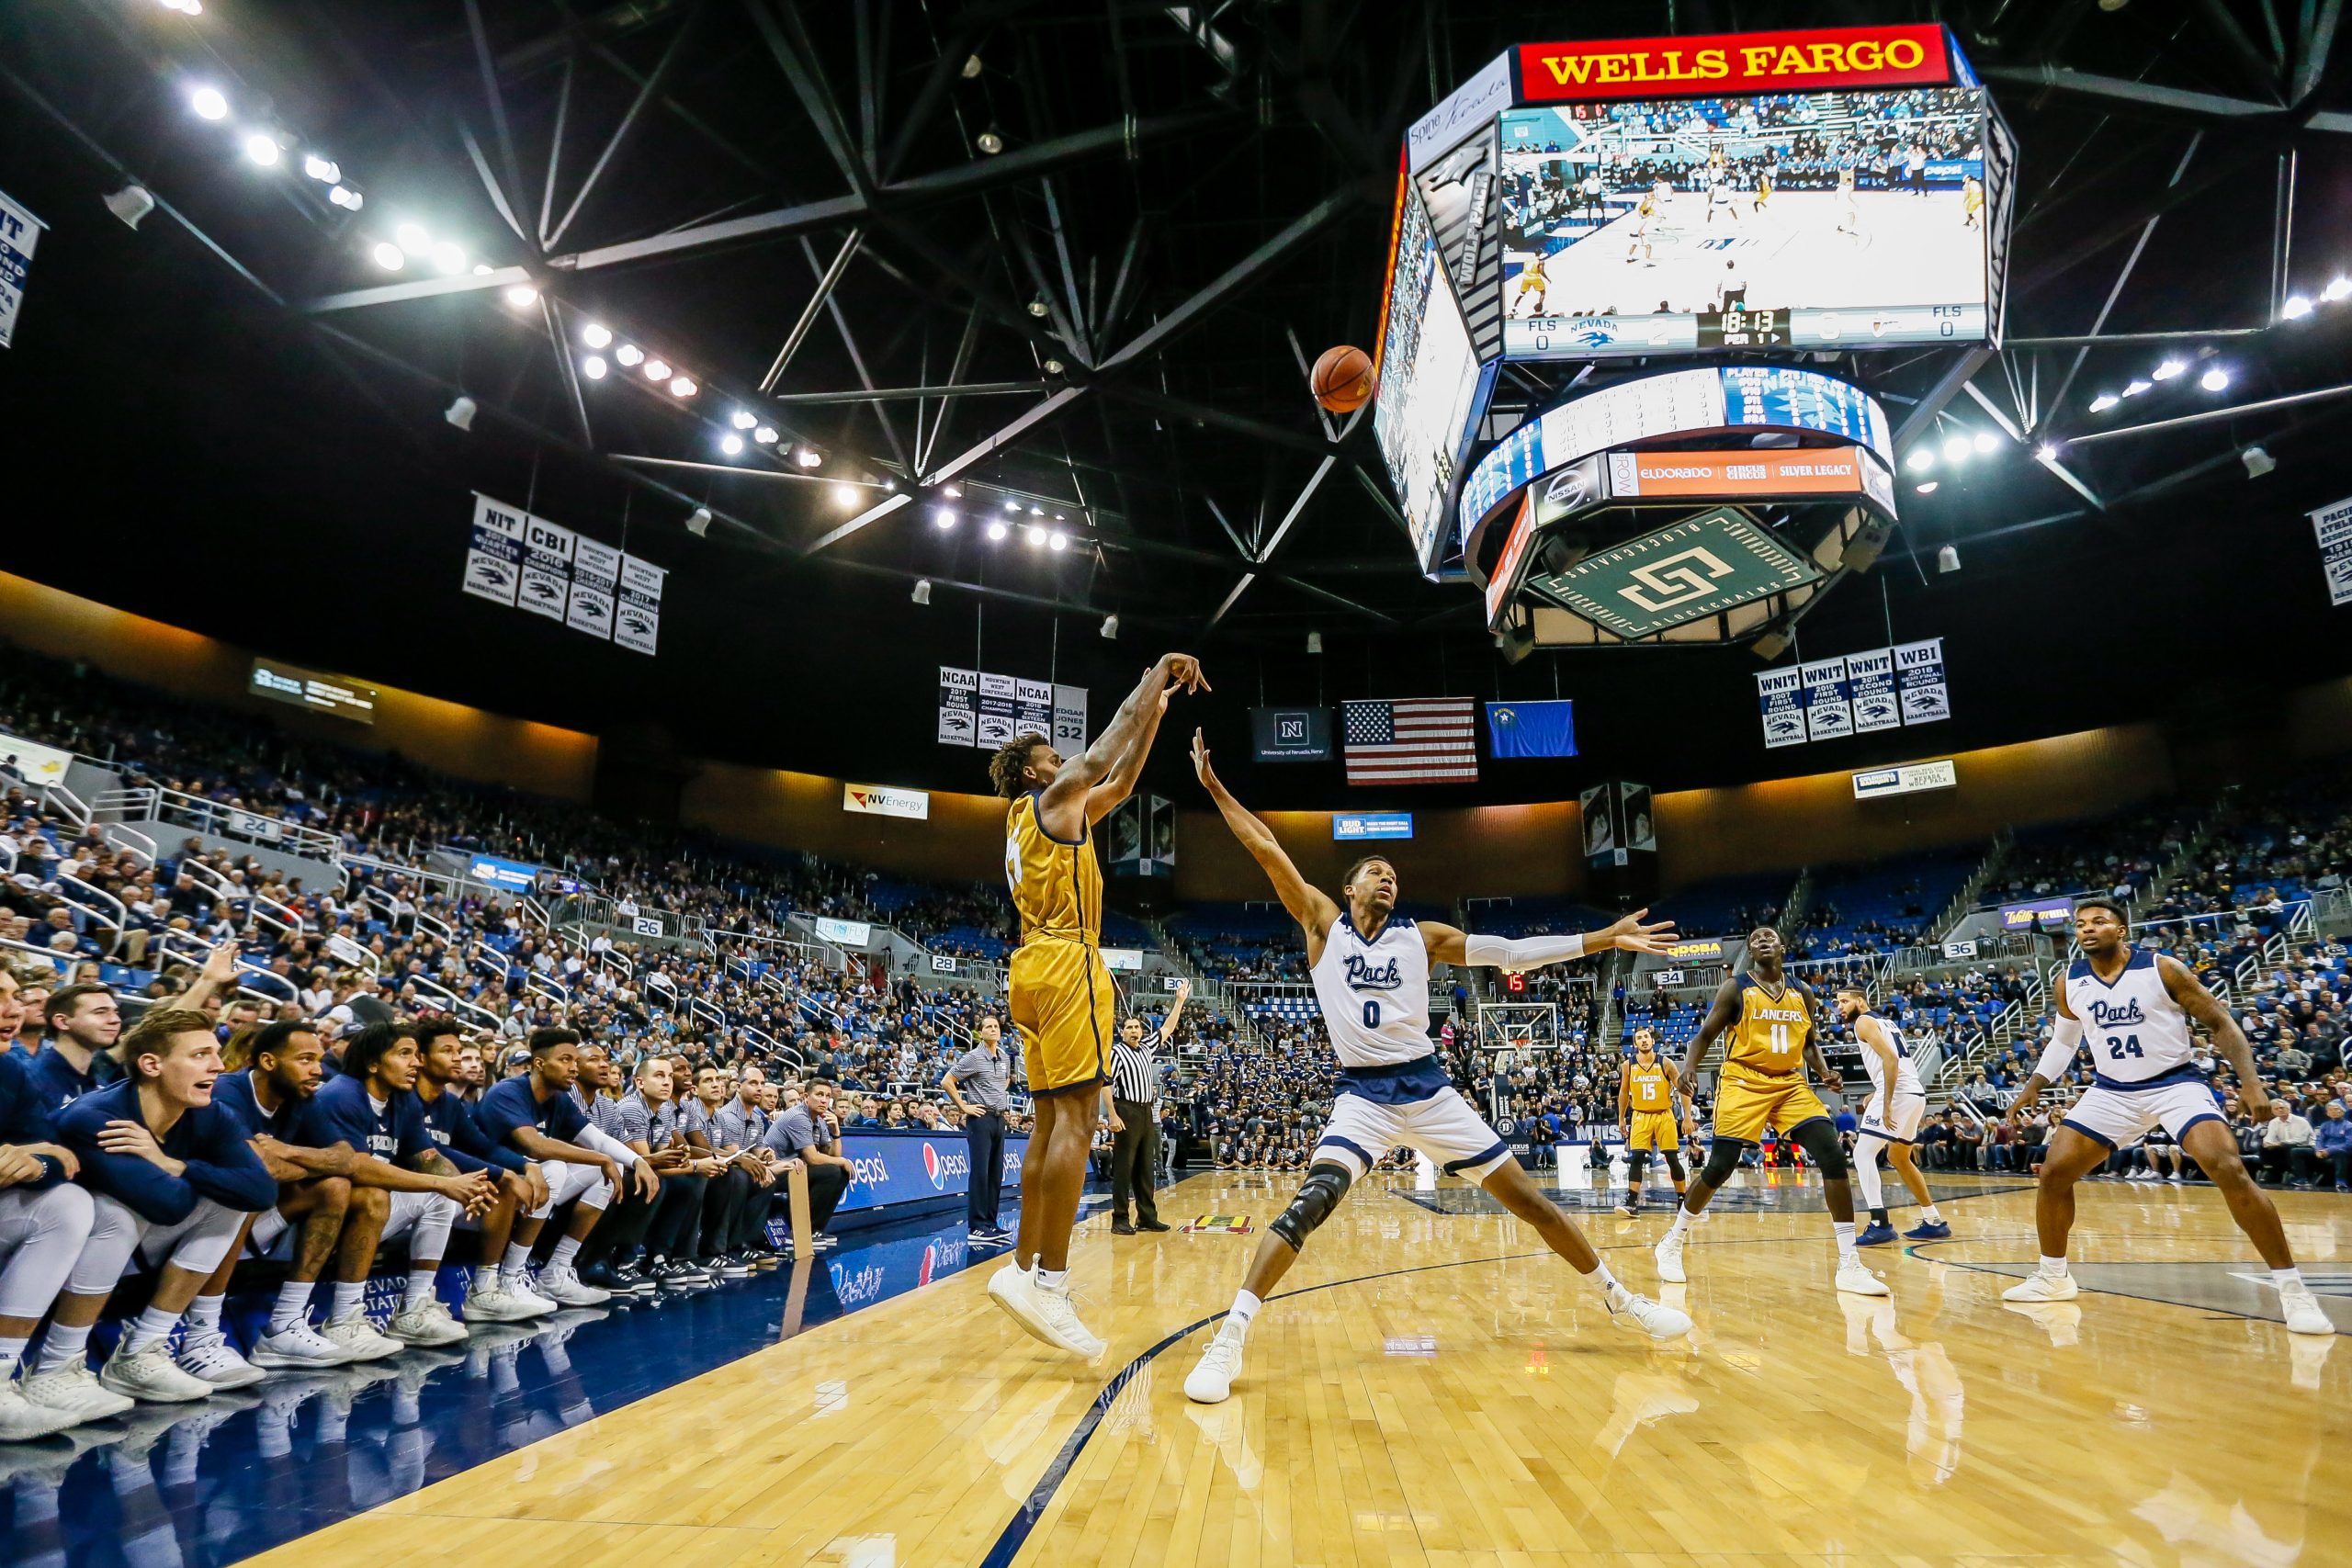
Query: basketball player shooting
(1769, 1020)
(1371, 969)
(2131, 1008)
(1062, 999)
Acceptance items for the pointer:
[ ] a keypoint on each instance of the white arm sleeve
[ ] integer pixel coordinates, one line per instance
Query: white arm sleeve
(1522, 953)
(603, 1142)
(2065, 1036)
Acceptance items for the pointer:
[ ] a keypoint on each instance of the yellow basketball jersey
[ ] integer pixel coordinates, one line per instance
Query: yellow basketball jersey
(1057, 884)
(1770, 1034)
(1649, 1093)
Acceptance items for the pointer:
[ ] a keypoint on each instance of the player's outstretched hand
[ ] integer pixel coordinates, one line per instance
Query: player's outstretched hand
(1632, 935)
(2022, 1105)
(1201, 769)
(1184, 670)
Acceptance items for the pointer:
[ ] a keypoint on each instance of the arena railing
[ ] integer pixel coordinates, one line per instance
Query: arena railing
(158, 804)
(260, 908)
(255, 980)
(113, 835)
(63, 802)
(92, 904)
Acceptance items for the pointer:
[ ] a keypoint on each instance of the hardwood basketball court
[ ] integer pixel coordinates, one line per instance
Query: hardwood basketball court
(1429, 1389)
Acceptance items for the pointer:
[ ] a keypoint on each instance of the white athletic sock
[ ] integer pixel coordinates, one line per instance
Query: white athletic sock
(1683, 1220)
(347, 1298)
(514, 1265)
(420, 1286)
(2053, 1267)
(1244, 1307)
(2288, 1279)
(1931, 1215)
(1845, 1232)
(293, 1308)
(11, 1352)
(204, 1315)
(64, 1346)
(1052, 1278)
(1602, 1277)
(565, 1250)
(147, 1329)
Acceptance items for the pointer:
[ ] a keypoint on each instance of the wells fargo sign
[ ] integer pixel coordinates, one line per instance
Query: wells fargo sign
(1803, 60)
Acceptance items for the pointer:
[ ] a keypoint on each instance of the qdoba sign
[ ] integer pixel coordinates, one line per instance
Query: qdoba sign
(1803, 60)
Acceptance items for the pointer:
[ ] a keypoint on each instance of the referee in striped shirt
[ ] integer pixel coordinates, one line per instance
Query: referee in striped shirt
(1135, 1118)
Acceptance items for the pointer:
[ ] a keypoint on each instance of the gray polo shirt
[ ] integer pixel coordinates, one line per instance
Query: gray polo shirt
(640, 1123)
(798, 1129)
(738, 1126)
(985, 1080)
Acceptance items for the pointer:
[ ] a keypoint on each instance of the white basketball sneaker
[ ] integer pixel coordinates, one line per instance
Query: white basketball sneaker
(558, 1284)
(1211, 1383)
(2040, 1287)
(428, 1323)
(1668, 1255)
(299, 1348)
(212, 1357)
(358, 1337)
(2304, 1315)
(1014, 1289)
(22, 1419)
(1059, 1316)
(1855, 1277)
(1653, 1318)
(75, 1391)
(150, 1377)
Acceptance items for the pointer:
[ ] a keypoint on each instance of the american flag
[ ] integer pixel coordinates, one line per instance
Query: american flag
(1412, 740)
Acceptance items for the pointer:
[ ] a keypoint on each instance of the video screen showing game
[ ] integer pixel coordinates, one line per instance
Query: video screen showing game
(1798, 220)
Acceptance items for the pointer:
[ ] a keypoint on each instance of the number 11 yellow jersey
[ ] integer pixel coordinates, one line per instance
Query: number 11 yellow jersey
(1770, 1034)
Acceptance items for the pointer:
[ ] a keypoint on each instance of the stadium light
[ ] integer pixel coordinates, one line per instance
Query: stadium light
(952, 492)
(1036, 511)
(2337, 288)
(743, 419)
(684, 387)
(448, 257)
(596, 334)
(1921, 459)
(807, 457)
(945, 517)
(1058, 539)
(594, 368)
(657, 369)
(2167, 370)
(1928, 489)
(2135, 387)
(845, 495)
(1985, 442)
(629, 353)
(390, 256)
(1956, 451)
(262, 148)
(1010, 504)
(2104, 401)
(322, 170)
(345, 196)
(997, 532)
(412, 239)
(1034, 536)
(765, 436)
(922, 595)
(732, 446)
(2047, 452)
(698, 522)
(2296, 308)
(522, 295)
(2215, 380)
(208, 103)
(990, 142)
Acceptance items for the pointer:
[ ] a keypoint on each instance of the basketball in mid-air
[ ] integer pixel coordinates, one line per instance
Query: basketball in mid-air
(1342, 379)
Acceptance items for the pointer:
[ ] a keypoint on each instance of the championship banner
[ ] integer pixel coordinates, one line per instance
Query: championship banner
(2334, 526)
(1828, 716)
(1033, 707)
(595, 574)
(1780, 695)
(1870, 684)
(1070, 720)
(636, 616)
(997, 702)
(494, 554)
(958, 706)
(1920, 668)
(19, 231)
(547, 567)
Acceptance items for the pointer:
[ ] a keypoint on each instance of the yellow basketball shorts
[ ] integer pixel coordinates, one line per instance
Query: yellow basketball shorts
(1746, 1103)
(1652, 1130)
(1065, 1009)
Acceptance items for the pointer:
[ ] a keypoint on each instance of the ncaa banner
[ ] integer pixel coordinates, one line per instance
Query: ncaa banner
(2334, 526)
(637, 615)
(494, 553)
(1780, 695)
(998, 700)
(1870, 685)
(1828, 716)
(1919, 666)
(1033, 707)
(19, 229)
(1070, 720)
(595, 575)
(958, 706)
(547, 567)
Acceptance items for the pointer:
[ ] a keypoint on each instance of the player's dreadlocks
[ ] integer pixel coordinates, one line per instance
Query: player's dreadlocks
(1008, 768)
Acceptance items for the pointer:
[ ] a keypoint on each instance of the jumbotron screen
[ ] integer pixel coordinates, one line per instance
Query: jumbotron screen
(1786, 219)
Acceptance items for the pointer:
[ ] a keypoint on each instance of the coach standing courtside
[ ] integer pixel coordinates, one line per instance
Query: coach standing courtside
(980, 1085)
(1134, 1106)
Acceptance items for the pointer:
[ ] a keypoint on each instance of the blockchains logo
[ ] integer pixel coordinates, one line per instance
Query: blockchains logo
(1691, 574)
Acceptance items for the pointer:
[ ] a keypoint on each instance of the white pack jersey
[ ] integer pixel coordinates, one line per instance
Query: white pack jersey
(1375, 995)
(1907, 1071)
(2136, 1033)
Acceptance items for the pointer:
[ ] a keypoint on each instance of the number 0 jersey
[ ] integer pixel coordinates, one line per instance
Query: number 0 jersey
(1375, 995)
(1057, 882)
(1648, 1085)
(2136, 1033)
(1770, 1034)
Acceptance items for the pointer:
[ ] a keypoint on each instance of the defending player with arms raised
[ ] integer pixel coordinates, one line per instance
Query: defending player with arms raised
(1891, 1120)
(1371, 969)
(2132, 1006)
(1769, 1020)
(1645, 1102)
(1062, 1001)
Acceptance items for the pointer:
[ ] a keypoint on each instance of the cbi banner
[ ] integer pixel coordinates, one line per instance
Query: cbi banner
(529, 563)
